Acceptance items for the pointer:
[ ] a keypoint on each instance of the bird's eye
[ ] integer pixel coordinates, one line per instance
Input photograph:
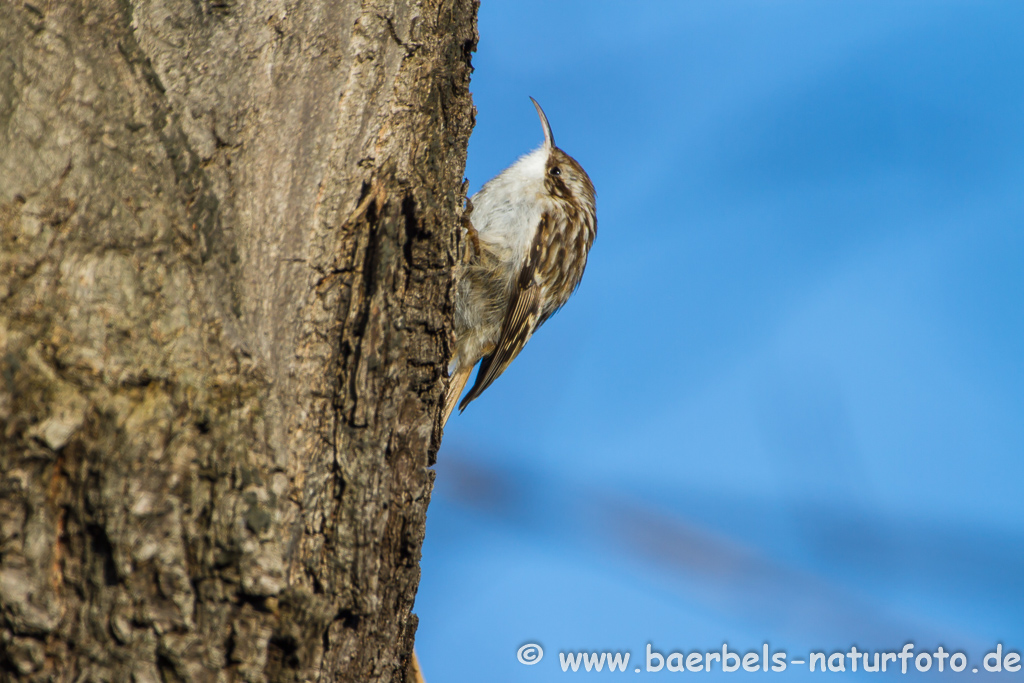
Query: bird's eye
(555, 171)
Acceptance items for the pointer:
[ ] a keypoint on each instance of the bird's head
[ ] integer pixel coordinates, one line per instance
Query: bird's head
(564, 178)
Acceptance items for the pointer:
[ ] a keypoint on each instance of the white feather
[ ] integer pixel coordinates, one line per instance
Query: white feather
(507, 210)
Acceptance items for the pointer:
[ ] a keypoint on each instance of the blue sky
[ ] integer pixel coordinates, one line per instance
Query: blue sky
(787, 402)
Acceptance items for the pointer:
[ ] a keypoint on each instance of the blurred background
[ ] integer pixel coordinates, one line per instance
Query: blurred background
(787, 403)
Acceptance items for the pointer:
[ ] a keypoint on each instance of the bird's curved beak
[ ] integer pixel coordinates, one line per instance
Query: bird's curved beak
(549, 139)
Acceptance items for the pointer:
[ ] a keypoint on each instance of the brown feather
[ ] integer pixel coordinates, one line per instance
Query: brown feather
(417, 673)
(503, 301)
(520, 317)
(517, 330)
(456, 384)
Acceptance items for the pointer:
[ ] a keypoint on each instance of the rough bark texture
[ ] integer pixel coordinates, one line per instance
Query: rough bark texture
(227, 232)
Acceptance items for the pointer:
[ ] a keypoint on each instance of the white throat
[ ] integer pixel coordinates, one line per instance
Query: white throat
(506, 210)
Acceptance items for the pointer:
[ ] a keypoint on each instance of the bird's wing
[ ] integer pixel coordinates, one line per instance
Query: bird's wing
(521, 319)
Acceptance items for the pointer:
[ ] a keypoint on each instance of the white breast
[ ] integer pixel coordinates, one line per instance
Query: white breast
(507, 210)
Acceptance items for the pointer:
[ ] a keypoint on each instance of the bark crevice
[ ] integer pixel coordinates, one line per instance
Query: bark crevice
(227, 233)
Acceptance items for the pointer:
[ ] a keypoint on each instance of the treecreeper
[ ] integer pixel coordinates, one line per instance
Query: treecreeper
(529, 233)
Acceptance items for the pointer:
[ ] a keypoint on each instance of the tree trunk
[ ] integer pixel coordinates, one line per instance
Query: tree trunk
(228, 231)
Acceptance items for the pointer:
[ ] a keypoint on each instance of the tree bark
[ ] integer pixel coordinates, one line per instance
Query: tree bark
(228, 233)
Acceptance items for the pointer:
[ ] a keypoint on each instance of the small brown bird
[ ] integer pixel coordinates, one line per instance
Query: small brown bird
(532, 228)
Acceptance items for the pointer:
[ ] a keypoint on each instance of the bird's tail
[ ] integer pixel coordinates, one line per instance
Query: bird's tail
(456, 384)
(417, 673)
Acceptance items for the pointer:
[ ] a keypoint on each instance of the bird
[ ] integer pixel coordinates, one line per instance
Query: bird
(529, 231)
